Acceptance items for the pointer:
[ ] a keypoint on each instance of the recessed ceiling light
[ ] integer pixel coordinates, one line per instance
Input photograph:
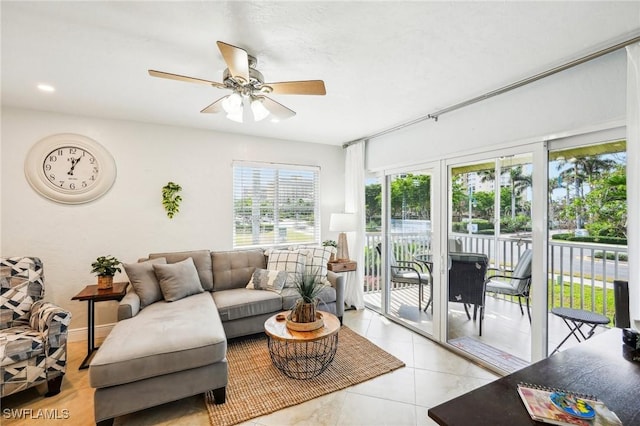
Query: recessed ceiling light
(46, 88)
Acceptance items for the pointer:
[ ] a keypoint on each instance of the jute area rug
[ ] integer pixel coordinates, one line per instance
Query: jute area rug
(256, 387)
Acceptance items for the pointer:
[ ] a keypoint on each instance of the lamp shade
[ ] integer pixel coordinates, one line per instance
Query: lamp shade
(343, 222)
(232, 104)
(260, 112)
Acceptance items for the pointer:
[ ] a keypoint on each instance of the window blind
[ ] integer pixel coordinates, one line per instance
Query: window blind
(275, 204)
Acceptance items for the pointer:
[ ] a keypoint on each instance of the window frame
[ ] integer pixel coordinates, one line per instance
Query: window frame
(275, 200)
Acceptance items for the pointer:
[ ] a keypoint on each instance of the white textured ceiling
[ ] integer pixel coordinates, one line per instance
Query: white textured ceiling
(383, 63)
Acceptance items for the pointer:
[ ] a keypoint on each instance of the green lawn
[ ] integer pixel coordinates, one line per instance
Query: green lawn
(568, 297)
(293, 236)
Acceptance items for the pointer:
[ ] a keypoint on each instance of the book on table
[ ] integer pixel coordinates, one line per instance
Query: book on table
(561, 407)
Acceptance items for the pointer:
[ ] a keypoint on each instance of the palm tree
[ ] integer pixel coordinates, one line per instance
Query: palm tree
(519, 182)
(580, 170)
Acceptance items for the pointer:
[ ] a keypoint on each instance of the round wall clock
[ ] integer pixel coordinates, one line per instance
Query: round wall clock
(69, 168)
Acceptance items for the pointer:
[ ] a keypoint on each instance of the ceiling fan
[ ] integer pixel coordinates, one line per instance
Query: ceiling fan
(248, 86)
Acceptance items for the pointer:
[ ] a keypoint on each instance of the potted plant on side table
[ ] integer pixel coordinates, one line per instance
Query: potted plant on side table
(105, 267)
(331, 243)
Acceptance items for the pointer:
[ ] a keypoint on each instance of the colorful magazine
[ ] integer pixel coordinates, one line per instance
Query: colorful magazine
(572, 409)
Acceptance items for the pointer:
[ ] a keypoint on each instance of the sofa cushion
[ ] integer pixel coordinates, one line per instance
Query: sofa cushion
(241, 303)
(178, 280)
(202, 260)
(290, 295)
(263, 279)
(291, 261)
(317, 259)
(144, 281)
(163, 338)
(233, 269)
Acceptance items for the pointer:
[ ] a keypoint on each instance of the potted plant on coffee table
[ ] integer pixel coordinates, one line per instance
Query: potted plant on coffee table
(105, 267)
(303, 315)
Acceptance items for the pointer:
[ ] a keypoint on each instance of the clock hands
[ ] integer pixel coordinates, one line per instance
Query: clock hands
(74, 162)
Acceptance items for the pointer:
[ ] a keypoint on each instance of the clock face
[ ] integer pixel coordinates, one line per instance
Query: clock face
(71, 167)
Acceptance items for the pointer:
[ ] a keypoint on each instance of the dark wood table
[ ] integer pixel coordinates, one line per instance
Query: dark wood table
(600, 366)
(92, 294)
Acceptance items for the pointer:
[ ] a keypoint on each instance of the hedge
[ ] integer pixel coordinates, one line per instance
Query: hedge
(596, 239)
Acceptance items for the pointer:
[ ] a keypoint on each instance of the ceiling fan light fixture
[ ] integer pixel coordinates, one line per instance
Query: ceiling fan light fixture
(232, 104)
(260, 112)
(235, 116)
(248, 88)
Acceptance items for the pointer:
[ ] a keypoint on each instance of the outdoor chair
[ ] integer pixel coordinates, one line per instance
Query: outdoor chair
(455, 245)
(516, 282)
(621, 318)
(410, 272)
(466, 282)
(33, 333)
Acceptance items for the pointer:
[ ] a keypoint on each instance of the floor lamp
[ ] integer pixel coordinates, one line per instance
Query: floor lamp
(342, 222)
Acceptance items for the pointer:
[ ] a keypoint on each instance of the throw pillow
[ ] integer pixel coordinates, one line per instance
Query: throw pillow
(263, 279)
(291, 261)
(144, 281)
(178, 280)
(317, 259)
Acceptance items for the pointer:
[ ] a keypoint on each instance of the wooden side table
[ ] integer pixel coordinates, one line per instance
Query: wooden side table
(91, 294)
(340, 266)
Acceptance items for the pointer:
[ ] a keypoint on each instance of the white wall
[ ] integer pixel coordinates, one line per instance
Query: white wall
(129, 221)
(589, 94)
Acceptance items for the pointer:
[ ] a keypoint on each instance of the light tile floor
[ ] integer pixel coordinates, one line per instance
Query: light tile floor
(432, 375)
(505, 327)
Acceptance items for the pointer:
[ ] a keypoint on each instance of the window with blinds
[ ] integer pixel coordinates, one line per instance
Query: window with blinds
(275, 204)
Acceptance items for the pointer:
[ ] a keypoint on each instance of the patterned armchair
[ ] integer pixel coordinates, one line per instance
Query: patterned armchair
(33, 333)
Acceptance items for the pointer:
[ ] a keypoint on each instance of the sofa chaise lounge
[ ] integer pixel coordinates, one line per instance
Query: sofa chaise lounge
(173, 348)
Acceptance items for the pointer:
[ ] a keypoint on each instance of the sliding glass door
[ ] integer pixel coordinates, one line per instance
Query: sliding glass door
(400, 274)
(587, 246)
(489, 259)
(409, 289)
(496, 240)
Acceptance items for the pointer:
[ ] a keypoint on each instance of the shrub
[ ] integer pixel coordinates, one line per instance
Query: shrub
(611, 256)
(591, 239)
(483, 224)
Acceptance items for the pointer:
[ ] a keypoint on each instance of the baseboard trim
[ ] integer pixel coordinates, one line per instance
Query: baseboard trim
(80, 334)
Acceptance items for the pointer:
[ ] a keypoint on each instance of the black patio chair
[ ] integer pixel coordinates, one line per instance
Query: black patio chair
(466, 282)
(410, 272)
(621, 318)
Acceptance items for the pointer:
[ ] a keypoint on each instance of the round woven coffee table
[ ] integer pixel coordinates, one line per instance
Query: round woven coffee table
(302, 354)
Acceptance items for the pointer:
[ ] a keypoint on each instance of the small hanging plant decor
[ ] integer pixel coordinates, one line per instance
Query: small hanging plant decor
(170, 198)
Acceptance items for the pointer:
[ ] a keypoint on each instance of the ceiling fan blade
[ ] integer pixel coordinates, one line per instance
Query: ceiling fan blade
(236, 58)
(279, 111)
(178, 77)
(216, 106)
(308, 87)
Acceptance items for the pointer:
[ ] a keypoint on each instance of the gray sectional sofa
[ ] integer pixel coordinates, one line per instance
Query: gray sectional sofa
(173, 345)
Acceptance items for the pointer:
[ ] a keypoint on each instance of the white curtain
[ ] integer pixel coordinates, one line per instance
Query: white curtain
(633, 175)
(354, 203)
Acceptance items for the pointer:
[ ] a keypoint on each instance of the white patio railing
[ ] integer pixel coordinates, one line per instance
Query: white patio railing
(584, 270)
